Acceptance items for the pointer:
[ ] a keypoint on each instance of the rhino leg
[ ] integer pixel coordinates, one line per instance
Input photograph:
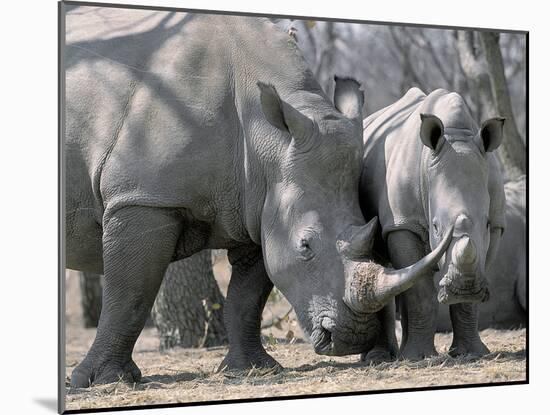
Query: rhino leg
(466, 340)
(521, 289)
(386, 347)
(247, 294)
(418, 306)
(138, 244)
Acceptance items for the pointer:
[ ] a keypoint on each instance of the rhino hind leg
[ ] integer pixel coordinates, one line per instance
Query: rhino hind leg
(138, 245)
(418, 306)
(466, 339)
(247, 294)
(386, 348)
(521, 289)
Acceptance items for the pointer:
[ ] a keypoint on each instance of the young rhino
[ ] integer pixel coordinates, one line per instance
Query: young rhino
(427, 168)
(507, 276)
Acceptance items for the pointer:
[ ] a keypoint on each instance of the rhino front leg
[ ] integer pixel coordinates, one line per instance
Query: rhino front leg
(386, 347)
(466, 338)
(247, 294)
(418, 305)
(138, 244)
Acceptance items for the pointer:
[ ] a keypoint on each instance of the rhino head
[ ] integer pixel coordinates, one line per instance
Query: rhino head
(460, 194)
(312, 228)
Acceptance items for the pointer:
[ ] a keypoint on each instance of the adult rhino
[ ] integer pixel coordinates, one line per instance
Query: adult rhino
(427, 167)
(176, 143)
(507, 276)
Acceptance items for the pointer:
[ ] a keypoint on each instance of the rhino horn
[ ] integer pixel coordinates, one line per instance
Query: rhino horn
(464, 253)
(370, 286)
(358, 243)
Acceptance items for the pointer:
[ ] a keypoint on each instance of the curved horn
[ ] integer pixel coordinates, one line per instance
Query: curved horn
(371, 286)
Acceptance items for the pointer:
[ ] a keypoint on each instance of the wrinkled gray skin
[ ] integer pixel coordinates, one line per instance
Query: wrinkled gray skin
(187, 132)
(507, 276)
(428, 166)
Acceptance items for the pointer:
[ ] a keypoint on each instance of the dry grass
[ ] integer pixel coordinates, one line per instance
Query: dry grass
(188, 375)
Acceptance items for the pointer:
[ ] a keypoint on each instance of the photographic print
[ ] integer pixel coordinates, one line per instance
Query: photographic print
(270, 207)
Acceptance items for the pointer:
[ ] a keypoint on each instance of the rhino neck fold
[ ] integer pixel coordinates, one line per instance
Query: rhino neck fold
(261, 146)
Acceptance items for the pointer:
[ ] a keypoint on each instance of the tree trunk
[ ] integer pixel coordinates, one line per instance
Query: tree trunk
(512, 150)
(90, 298)
(410, 76)
(323, 71)
(188, 311)
(473, 66)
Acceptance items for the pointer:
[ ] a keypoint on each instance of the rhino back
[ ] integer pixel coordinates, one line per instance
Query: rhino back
(159, 103)
(513, 250)
(390, 185)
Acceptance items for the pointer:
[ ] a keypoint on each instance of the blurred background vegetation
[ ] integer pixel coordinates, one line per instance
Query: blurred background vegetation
(487, 68)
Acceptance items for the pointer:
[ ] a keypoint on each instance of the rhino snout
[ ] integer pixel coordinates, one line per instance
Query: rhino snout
(463, 281)
(347, 333)
(464, 254)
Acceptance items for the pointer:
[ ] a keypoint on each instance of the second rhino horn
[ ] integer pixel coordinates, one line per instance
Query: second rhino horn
(370, 286)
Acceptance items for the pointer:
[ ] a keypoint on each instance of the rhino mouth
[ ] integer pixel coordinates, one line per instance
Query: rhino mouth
(329, 340)
(456, 287)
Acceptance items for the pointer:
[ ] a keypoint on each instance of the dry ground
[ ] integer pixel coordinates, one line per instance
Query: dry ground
(188, 375)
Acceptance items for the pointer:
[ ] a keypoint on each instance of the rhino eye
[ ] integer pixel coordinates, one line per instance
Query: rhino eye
(304, 249)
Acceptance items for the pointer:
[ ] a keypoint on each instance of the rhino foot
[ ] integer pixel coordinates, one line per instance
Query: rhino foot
(415, 352)
(378, 355)
(85, 374)
(466, 340)
(474, 348)
(240, 362)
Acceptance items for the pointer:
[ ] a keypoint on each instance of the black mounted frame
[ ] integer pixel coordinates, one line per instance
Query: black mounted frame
(61, 211)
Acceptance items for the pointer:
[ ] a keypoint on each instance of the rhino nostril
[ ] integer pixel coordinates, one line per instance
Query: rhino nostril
(327, 324)
(324, 340)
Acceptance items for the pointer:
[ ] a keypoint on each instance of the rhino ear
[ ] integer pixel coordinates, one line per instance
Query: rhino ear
(431, 130)
(491, 133)
(348, 97)
(272, 106)
(284, 116)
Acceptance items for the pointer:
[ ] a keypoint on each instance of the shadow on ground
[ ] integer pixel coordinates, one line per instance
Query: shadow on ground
(48, 403)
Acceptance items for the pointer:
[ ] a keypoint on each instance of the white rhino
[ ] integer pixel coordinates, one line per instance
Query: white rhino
(428, 168)
(507, 276)
(187, 132)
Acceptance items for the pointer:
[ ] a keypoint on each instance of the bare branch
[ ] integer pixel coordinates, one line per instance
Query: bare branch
(447, 77)
(310, 38)
(406, 62)
(276, 320)
(469, 61)
(512, 150)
